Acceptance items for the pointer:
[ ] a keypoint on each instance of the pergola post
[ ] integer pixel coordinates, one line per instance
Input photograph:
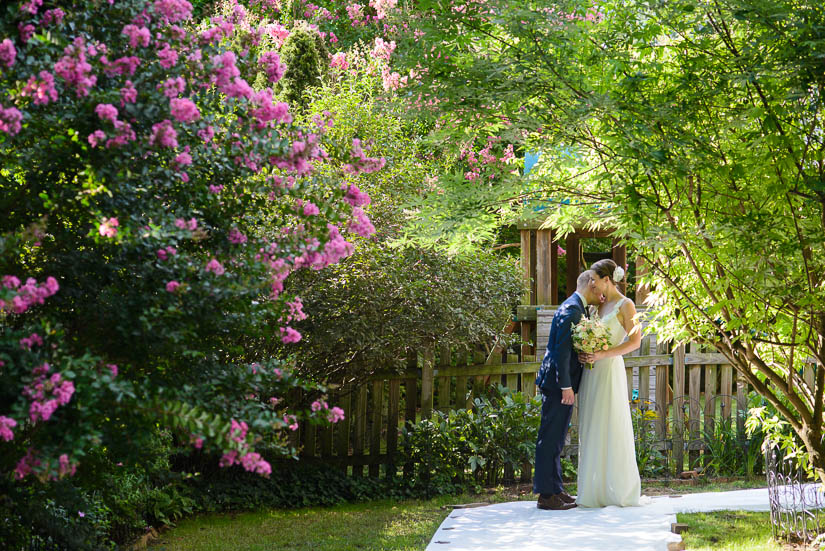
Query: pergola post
(642, 291)
(619, 254)
(573, 256)
(544, 267)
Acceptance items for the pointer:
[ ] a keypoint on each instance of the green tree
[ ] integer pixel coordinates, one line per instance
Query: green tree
(693, 128)
(305, 57)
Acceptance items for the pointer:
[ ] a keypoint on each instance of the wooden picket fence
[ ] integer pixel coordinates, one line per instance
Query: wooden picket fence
(691, 391)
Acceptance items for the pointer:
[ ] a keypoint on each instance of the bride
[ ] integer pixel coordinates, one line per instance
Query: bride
(608, 474)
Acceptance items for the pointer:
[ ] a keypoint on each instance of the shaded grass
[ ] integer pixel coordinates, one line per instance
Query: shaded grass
(390, 525)
(377, 525)
(728, 531)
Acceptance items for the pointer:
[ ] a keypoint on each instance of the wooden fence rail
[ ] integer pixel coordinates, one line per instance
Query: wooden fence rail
(689, 389)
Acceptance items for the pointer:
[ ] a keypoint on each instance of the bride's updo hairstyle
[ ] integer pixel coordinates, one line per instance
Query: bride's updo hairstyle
(608, 268)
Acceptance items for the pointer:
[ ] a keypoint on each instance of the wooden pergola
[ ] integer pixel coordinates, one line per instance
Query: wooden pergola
(539, 265)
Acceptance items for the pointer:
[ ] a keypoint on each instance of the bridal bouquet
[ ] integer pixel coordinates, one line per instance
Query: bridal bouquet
(590, 335)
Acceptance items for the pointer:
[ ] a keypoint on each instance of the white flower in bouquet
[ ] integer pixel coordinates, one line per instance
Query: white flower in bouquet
(590, 335)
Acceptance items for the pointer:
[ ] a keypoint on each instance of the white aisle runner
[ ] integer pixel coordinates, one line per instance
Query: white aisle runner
(520, 526)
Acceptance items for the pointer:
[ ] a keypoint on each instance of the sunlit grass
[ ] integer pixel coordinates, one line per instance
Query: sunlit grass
(728, 531)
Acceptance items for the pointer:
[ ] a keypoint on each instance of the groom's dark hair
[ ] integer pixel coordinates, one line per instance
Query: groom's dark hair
(584, 279)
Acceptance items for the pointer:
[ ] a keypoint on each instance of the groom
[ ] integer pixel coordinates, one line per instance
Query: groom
(558, 378)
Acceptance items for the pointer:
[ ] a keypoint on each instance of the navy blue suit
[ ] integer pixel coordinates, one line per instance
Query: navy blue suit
(559, 369)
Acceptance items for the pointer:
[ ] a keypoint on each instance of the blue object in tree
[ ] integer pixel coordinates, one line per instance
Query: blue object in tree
(530, 160)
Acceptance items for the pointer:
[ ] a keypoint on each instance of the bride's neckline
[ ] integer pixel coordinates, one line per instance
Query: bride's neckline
(613, 311)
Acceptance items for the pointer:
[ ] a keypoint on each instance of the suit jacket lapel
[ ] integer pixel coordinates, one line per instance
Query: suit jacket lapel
(581, 305)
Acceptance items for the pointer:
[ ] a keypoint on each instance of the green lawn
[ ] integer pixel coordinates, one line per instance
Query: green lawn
(408, 525)
(728, 531)
(378, 525)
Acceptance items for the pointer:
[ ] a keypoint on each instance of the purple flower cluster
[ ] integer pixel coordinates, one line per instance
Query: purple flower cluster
(27, 294)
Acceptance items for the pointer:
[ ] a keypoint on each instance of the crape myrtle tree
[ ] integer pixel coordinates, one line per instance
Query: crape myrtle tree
(391, 298)
(153, 204)
(695, 128)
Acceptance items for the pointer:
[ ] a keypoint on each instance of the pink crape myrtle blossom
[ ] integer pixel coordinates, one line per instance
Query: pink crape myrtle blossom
(335, 414)
(108, 227)
(74, 69)
(6, 424)
(32, 6)
(253, 462)
(310, 209)
(26, 464)
(41, 88)
(167, 252)
(31, 341)
(168, 57)
(339, 61)
(279, 33)
(26, 32)
(28, 294)
(383, 50)
(47, 393)
(224, 69)
(215, 267)
(54, 16)
(360, 161)
(361, 224)
(128, 94)
(190, 224)
(123, 134)
(266, 111)
(138, 36)
(355, 196)
(8, 53)
(383, 7)
(236, 237)
(184, 110)
(172, 286)
(164, 134)
(289, 335)
(356, 13)
(173, 11)
(271, 62)
(126, 65)
(11, 120)
(173, 87)
(106, 112)
(238, 88)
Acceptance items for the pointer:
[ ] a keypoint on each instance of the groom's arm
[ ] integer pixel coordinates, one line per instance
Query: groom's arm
(565, 347)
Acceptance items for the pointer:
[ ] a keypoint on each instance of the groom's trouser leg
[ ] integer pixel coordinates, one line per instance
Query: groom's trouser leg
(555, 419)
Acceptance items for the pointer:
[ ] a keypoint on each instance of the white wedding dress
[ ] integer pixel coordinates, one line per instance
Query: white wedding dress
(608, 474)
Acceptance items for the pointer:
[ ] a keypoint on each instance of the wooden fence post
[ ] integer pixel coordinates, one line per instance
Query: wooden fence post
(695, 391)
(741, 405)
(342, 429)
(710, 408)
(375, 429)
(678, 413)
(662, 401)
(410, 400)
(392, 424)
(358, 441)
(726, 393)
(444, 394)
(461, 391)
(427, 384)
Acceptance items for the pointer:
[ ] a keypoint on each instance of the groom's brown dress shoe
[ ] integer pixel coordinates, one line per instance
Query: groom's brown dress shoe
(554, 503)
(567, 498)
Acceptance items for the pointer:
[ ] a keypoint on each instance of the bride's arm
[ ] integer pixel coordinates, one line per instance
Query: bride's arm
(634, 335)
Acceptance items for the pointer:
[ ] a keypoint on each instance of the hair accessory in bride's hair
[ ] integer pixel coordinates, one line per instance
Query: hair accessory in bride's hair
(618, 274)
